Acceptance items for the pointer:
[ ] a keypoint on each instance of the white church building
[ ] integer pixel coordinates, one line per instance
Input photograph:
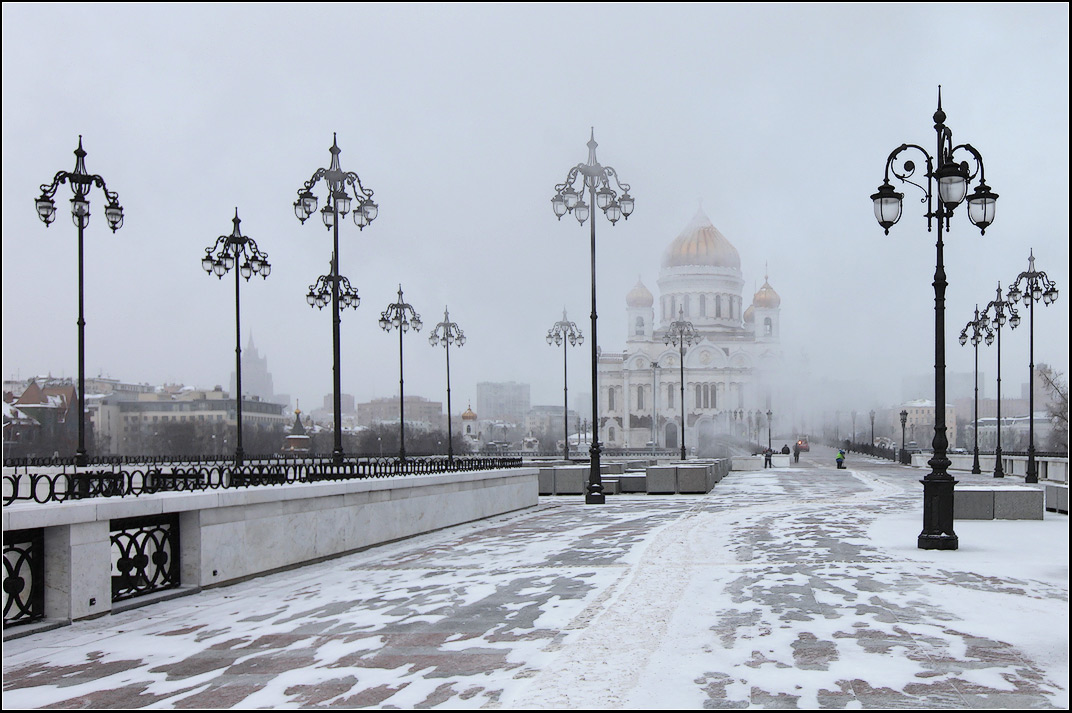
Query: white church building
(729, 369)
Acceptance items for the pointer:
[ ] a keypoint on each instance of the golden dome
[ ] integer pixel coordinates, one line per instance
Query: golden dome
(750, 315)
(766, 297)
(469, 415)
(700, 243)
(639, 296)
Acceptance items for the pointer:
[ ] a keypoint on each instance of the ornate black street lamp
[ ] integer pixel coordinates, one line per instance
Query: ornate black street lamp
(81, 183)
(1037, 286)
(241, 252)
(904, 420)
(681, 334)
(596, 179)
(770, 421)
(946, 186)
(401, 316)
(1003, 310)
(561, 333)
(979, 330)
(336, 206)
(854, 426)
(447, 333)
(654, 404)
(872, 415)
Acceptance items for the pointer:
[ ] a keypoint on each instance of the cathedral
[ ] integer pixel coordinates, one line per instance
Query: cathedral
(729, 369)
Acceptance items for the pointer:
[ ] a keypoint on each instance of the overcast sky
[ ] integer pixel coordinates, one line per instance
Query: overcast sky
(462, 118)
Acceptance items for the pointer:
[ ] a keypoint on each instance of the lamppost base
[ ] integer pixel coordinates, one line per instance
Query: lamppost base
(937, 542)
(337, 457)
(938, 531)
(592, 498)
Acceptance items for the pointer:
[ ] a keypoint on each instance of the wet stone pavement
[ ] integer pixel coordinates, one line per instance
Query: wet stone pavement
(772, 591)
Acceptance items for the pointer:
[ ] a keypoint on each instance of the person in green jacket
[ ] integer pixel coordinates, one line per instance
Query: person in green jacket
(841, 459)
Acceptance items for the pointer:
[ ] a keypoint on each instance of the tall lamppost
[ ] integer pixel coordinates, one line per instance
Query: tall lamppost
(448, 333)
(854, 425)
(681, 334)
(770, 418)
(596, 179)
(654, 404)
(562, 333)
(401, 316)
(946, 186)
(1003, 310)
(979, 330)
(904, 420)
(872, 415)
(336, 206)
(1037, 286)
(229, 252)
(81, 183)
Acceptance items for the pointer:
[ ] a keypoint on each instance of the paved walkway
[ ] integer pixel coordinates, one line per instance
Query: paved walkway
(789, 588)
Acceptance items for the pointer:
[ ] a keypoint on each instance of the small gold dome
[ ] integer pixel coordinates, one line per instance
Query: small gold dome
(750, 315)
(469, 414)
(700, 243)
(639, 296)
(766, 297)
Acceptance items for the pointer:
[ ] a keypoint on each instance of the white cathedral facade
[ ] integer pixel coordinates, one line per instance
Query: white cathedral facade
(728, 370)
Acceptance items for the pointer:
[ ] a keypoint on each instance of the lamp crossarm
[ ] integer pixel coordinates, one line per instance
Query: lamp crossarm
(354, 180)
(308, 185)
(571, 178)
(979, 171)
(907, 168)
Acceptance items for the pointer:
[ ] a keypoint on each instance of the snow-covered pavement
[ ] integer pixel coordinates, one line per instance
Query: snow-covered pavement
(795, 587)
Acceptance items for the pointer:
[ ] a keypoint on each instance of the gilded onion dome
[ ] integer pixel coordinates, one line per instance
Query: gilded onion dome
(639, 296)
(766, 297)
(750, 315)
(700, 243)
(469, 414)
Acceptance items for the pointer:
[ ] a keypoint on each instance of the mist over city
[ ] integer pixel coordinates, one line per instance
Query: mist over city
(773, 122)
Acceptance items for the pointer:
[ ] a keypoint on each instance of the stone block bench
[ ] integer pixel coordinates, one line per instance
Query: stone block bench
(997, 502)
(1056, 497)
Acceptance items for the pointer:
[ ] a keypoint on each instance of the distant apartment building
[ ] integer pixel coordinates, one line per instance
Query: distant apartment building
(503, 401)
(419, 411)
(919, 426)
(123, 424)
(548, 419)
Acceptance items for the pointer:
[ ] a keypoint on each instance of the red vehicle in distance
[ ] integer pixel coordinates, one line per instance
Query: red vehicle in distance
(802, 444)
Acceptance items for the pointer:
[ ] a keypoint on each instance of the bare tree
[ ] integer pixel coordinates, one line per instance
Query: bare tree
(1057, 406)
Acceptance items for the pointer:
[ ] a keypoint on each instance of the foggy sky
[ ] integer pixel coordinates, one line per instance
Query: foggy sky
(461, 119)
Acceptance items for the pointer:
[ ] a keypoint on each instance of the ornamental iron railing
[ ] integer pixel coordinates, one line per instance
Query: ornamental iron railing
(145, 555)
(122, 480)
(24, 581)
